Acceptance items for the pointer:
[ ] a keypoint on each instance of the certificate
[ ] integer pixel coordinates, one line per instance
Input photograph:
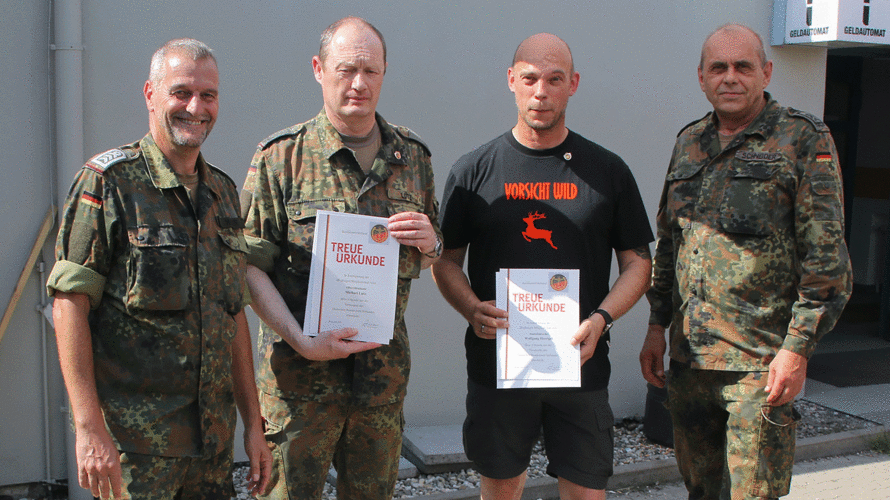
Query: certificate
(536, 350)
(353, 277)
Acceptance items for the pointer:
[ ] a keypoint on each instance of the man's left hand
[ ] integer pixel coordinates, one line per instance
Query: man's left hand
(787, 373)
(260, 461)
(588, 335)
(413, 229)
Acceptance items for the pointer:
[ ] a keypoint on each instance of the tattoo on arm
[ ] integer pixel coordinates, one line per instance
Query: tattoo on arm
(643, 252)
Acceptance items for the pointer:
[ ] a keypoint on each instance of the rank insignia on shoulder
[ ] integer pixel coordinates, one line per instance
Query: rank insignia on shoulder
(294, 130)
(817, 123)
(407, 133)
(100, 163)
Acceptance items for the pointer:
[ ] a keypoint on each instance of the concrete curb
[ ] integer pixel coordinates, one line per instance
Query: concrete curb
(665, 471)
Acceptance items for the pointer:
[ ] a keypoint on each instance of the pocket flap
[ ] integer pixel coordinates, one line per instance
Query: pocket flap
(157, 236)
(306, 209)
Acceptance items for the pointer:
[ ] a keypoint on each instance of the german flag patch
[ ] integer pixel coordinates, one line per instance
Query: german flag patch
(823, 157)
(91, 200)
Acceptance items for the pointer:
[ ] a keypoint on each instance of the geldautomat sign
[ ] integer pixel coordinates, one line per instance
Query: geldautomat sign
(834, 23)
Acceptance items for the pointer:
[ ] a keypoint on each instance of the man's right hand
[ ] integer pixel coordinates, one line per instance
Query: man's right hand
(486, 319)
(652, 356)
(98, 463)
(332, 344)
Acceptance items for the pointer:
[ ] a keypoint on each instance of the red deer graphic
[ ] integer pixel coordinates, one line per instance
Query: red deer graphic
(533, 233)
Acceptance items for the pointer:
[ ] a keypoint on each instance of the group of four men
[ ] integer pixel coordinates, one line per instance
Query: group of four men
(156, 263)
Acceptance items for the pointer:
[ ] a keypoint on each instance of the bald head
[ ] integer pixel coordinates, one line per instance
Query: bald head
(544, 47)
(734, 32)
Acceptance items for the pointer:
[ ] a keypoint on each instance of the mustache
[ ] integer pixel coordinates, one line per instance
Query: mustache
(185, 115)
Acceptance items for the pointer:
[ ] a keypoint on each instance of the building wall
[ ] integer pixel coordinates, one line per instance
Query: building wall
(446, 80)
(25, 196)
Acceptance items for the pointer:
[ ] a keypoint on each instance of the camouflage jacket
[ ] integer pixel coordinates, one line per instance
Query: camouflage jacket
(750, 255)
(294, 173)
(163, 278)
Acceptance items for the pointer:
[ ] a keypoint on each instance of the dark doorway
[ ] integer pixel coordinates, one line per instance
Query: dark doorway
(856, 108)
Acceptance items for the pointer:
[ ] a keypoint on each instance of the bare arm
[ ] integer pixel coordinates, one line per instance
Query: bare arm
(98, 460)
(455, 287)
(271, 308)
(634, 275)
(248, 405)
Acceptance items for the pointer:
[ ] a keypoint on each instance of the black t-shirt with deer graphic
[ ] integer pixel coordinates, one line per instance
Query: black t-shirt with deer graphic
(568, 207)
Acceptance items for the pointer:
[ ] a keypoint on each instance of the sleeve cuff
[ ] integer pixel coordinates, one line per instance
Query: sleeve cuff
(261, 253)
(69, 277)
(799, 344)
(660, 318)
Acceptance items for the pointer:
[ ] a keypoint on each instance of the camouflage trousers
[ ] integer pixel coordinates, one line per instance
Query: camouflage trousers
(149, 477)
(730, 443)
(363, 443)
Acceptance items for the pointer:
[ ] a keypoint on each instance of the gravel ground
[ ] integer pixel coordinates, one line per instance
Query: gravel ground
(631, 446)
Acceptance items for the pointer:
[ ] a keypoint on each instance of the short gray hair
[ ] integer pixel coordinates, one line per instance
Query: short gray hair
(195, 49)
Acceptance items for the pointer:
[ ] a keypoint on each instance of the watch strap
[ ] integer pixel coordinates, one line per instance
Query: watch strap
(606, 316)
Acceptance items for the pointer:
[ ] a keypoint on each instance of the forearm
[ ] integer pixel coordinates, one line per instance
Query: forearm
(243, 375)
(269, 305)
(74, 339)
(635, 270)
(453, 283)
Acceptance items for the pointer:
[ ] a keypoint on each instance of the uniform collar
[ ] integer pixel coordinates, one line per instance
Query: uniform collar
(392, 145)
(764, 125)
(162, 174)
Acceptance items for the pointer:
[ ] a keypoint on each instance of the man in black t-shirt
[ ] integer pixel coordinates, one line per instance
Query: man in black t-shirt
(541, 196)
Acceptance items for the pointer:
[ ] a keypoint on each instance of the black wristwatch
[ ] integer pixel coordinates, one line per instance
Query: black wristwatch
(606, 316)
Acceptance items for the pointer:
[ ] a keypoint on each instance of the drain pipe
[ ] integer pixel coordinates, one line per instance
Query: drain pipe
(68, 56)
(47, 449)
(68, 50)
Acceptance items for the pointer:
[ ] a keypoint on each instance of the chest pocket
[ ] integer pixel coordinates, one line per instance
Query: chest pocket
(749, 201)
(684, 186)
(401, 200)
(158, 269)
(301, 229)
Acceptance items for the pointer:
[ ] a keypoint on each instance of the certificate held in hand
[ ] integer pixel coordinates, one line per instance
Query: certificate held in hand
(353, 277)
(536, 350)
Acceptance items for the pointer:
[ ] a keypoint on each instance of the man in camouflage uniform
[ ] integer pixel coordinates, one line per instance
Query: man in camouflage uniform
(750, 271)
(325, 398)
(149, 292)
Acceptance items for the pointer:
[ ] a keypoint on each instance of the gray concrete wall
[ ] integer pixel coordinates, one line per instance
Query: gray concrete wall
(26, 167)
(446, 80)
